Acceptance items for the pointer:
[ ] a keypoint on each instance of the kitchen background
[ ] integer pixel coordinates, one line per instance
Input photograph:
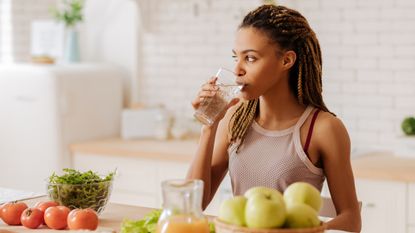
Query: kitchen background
(368, 53)
(163, 50)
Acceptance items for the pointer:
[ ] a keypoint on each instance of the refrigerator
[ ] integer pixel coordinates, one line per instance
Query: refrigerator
(45, 108)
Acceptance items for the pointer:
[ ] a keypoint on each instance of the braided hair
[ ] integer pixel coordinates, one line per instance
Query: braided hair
(291, 31)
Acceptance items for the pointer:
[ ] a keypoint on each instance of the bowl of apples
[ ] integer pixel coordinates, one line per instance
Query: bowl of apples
(266, 210)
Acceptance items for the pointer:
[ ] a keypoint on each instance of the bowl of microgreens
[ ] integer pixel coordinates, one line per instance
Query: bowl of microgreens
(75, 189)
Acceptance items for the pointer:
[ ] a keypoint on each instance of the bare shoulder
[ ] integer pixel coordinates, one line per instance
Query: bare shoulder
(328, 123)
(331, 134)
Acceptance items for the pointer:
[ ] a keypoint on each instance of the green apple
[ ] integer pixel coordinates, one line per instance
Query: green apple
(300, 215)
(233, 210)
(265, 208)
(302, 192)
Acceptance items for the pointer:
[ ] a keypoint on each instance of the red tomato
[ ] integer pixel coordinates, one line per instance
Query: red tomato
(11, 212)
(83, 219)
(1, 207)
(32, 218)
(55, 217)
(43, 205)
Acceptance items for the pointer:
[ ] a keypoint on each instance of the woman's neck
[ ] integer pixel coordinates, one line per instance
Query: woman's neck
(279, 108)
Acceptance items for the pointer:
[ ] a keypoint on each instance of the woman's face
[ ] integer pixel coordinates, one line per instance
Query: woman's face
(258, 62)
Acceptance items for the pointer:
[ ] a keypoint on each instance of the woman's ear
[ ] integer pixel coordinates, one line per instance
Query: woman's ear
(289, 58)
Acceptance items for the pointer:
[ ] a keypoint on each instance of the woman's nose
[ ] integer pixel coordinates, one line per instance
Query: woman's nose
(239, 71)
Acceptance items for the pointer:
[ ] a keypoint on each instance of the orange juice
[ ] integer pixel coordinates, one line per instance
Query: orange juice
(183, 224)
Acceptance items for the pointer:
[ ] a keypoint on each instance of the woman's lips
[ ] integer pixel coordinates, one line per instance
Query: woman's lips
(243, 87)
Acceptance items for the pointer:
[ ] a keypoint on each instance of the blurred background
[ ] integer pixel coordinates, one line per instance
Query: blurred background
(170, 47)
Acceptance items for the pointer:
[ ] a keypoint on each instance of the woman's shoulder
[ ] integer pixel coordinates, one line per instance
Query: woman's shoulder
(329, 128)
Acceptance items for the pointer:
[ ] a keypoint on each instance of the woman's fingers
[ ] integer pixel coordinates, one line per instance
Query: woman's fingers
(213, 80)
(202, 98)
(208, 90)
(209, 87)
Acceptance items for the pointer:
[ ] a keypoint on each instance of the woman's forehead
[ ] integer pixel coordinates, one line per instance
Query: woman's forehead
(252, 38)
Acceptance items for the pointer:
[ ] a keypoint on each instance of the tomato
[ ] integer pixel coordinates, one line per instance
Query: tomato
(43, 205)
(55, 217)
(11, 212)
(83, 219)
(32, 218)
(1, 207)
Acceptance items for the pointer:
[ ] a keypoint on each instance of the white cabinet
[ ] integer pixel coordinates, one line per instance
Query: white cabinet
(383, 206)
(138, 180)
(411, 207)
(46, 108)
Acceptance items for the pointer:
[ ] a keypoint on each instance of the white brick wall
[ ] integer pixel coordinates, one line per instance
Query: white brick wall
(368, 55)
(23, 13)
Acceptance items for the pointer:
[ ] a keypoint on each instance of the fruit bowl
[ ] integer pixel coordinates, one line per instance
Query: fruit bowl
(94, 195)
(222, 227)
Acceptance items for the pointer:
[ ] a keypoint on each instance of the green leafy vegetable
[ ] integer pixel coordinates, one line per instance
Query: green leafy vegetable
(147, 224)
(75, 189)
(211, 227)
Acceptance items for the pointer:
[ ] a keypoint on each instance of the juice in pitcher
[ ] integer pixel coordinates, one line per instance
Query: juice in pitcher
(183, 224)
(182, 208)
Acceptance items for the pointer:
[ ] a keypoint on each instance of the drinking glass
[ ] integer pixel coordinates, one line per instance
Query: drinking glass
(210, 109)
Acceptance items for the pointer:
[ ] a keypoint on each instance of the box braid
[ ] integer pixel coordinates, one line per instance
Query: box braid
(291, 31)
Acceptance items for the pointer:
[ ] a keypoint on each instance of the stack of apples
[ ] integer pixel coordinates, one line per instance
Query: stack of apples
(267, 208)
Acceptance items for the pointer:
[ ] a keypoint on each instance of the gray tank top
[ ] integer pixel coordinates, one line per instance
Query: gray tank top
(273, 159)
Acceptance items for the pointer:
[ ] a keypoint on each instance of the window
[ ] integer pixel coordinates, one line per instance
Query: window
(6, 35)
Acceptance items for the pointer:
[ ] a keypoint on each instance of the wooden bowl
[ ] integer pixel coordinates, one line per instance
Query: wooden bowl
(222, 227)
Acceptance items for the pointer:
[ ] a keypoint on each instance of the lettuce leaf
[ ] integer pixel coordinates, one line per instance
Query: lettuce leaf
(148, 224)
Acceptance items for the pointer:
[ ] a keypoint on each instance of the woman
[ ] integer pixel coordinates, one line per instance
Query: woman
(281, 132)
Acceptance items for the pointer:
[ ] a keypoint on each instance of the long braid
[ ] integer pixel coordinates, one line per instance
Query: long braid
(242, 119)
(291, 31)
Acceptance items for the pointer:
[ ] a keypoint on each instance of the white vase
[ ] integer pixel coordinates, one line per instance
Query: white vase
(71, 51)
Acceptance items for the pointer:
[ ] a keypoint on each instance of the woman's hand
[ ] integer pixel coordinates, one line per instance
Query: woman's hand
(208, 91)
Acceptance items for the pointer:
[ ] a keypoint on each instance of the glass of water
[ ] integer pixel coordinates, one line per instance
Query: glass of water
(208, 111)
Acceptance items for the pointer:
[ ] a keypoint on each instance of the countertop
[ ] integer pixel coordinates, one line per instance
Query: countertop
(376, 165)
(384, 166)
(109, 221)
(175, 150)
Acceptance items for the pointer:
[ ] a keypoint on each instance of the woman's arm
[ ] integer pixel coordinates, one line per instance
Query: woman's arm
(210, 163)
(334, 147)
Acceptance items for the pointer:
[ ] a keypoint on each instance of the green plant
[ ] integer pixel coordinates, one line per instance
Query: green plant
(70, 12)
(408, 126)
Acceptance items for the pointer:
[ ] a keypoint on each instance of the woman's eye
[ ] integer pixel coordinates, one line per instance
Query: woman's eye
(235, 58)
(250, 59)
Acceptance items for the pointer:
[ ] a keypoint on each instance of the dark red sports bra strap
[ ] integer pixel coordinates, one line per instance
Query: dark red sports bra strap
(310, 131)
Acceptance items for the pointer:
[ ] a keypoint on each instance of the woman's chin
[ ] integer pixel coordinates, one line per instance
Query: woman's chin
(246, 96)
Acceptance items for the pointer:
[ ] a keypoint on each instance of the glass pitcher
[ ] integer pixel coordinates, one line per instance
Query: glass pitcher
(182, 207)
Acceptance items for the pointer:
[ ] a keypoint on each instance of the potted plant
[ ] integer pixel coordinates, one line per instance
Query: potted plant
(405, 143)
(70, 13)
(408, 126)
